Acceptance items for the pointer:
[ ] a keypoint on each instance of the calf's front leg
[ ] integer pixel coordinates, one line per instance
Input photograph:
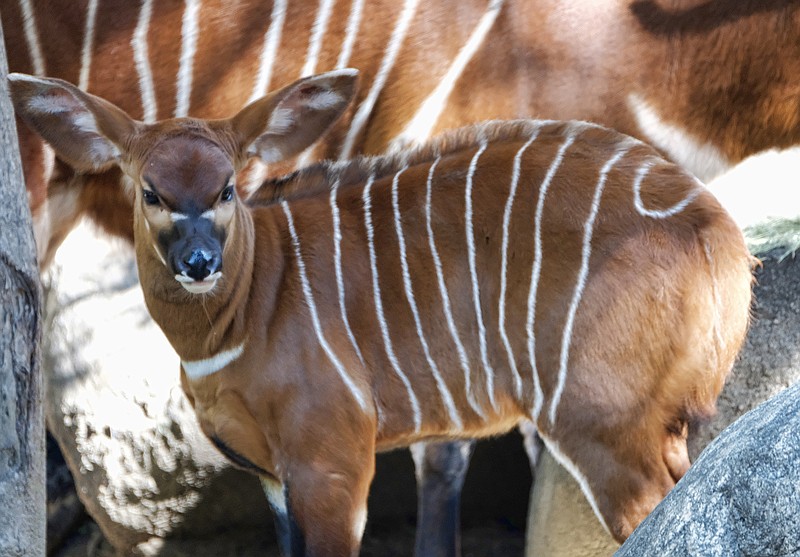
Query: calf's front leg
(325, 508)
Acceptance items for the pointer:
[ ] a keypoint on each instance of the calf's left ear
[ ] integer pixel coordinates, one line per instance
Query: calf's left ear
(286, 122)
(85, 131)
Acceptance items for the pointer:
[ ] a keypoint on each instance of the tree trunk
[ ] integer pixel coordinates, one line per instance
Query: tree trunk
(22, 462)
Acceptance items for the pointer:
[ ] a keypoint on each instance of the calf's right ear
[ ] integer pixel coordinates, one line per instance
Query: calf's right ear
(85, 131)
(284, 123)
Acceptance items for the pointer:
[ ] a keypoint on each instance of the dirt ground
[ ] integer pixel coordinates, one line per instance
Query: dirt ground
(483, 541)
(494, 512)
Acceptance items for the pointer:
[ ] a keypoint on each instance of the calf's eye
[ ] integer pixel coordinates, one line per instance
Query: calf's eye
(227, 193)
(150, 197)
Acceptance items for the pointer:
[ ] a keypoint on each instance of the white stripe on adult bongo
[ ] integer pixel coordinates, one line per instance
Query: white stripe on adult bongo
(641, 173)
(448, 312)
(376, 292)
(88, 44)
(353, 23)
(312, 307)
(189, 33)
(389, 58)
(317, 34)
(272, 39)
(583, 273)
(337, 265)
(473, 274)
(512, 192)
(537, 269)
(142, 59)
(444, 392)
(32, 37)
(421, 124)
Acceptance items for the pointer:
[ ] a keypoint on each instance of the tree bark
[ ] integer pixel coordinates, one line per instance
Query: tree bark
(22, 461)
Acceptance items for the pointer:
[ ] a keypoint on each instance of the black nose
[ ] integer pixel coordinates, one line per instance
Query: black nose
(199, 264)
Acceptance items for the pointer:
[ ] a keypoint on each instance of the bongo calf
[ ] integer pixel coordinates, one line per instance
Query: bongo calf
(553, 271)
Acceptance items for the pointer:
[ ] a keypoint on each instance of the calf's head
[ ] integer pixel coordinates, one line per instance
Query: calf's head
(182, 170)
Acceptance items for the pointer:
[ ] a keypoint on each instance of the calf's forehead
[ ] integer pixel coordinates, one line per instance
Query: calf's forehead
(187, 171)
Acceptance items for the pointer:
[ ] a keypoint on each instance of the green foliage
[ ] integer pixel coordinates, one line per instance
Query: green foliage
(774, 234)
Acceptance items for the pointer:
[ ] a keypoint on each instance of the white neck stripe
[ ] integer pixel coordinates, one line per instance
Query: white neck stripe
(209, 366)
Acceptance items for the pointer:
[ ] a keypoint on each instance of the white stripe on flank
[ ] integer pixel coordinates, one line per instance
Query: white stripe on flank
(189, 34)
(567, 463)
(444, 392)
(448, 312)
(718, 342)
(537, 270)
(657, 214)
(473, 273)
(389, 57)
(312, 308)
(32, 37)
(512, 192)
(421, 124)
(351, 32)
(140, 55)
(209, 366)
(272, 39)
(583, 273)
(88, 42)
(337, 264)
(317, 34)
(376, 292)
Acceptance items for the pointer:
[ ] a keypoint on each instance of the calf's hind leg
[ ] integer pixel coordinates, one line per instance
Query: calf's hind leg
(440, 469)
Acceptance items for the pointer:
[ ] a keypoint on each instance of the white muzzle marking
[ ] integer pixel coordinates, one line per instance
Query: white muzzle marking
(199, 286)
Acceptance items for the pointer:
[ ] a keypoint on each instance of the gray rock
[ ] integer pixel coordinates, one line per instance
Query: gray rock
(141, 466)
(22, 474)
(741, 497)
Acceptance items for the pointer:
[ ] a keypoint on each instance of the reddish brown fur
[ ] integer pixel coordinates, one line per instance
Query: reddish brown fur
(661, 319)
(724, 71)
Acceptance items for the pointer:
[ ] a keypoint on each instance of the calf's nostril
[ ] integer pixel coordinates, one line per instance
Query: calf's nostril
(198, 264)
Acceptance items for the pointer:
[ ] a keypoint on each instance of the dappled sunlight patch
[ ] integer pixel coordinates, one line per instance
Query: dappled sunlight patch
(762, 193)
